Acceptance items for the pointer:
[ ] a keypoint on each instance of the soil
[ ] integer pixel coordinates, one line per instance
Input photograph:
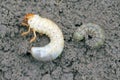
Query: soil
(77, 61)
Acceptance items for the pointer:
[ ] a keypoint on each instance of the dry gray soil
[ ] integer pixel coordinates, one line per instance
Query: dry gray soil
(77, 61)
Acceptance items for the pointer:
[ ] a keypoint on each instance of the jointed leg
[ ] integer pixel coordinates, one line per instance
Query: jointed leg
(24, 24)
(33, 39)
(25, 33)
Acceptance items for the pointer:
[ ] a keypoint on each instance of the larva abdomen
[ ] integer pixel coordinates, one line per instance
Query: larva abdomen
(94, 35)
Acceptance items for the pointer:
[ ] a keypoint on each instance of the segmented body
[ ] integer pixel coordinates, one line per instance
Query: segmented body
(93, 34)
(45, 26)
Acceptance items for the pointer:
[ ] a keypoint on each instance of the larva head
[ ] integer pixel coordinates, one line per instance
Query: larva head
(26, 18)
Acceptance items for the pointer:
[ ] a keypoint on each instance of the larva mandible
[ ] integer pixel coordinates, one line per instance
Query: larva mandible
(44, 26)
(94, 35)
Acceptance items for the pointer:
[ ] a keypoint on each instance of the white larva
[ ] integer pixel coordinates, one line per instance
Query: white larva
(45, 26)
(94, 35)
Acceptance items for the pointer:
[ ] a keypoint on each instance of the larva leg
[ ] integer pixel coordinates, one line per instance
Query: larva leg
(24, 24)
(25, 33)
(33, 39)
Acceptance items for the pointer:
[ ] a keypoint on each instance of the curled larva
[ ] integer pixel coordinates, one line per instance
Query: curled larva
(44, 26)
(94, 35)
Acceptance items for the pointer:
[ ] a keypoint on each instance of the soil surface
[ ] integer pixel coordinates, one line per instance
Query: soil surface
(77, 61)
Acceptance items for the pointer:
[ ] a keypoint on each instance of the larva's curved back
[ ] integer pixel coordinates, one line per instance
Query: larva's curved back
(94, 35)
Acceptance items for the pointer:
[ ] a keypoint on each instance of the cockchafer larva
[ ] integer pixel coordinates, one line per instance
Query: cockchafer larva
(94, 35)
(44, 26)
